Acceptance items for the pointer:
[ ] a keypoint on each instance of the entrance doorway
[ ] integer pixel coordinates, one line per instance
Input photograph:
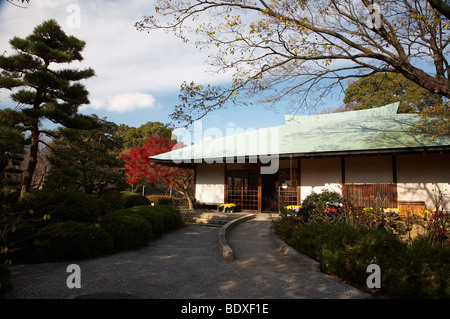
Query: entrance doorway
(243, 190)
(269, 194)
(255, 192)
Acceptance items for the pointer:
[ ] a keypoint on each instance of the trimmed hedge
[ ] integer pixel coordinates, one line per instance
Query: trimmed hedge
(135, 200)
(128, 230)
(71, 240)
(172, 217)
(154, 217)
(60, 205)
(162, 218)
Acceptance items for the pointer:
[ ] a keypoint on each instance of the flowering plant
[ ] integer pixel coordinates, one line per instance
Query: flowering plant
(294, 208)
(391, 210)
(228, 207)
(386, 219)
(437, 223)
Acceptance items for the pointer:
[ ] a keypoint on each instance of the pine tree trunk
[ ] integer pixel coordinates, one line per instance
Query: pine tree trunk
(34, 149)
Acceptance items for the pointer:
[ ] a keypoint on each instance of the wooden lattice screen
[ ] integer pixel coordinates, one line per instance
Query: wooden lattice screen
(371, 195)
(243, 190)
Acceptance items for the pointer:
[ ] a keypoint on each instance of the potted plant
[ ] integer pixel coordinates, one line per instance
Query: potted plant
(228, 207)
(293, 209)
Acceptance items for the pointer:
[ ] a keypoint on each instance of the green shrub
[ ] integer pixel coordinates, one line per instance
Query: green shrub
(285, 226)
(110, 202)
(162, 218)
(60, 205)
(419, 271)
(172, 217)
(71, 240)
(135, 200)
(422, 272)
(19, 238)
(379, 218)
(322, 207)
(152, 215)
(128, 230)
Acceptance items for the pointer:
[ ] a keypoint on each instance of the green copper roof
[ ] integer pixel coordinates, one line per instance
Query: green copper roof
(379, 129)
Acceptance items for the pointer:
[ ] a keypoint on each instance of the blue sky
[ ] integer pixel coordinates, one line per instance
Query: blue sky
(138, 75)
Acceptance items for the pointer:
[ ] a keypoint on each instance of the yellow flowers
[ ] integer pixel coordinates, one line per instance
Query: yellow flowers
(293, 209)
(228, 207)
(46, 217)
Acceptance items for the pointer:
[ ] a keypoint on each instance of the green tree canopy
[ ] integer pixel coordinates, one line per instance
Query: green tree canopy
(12, 143)
(43, 89)
(133, 136)
(385, 88)
(87, 160)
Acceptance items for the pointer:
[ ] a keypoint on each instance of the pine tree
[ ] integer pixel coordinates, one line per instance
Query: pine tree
(42, 88)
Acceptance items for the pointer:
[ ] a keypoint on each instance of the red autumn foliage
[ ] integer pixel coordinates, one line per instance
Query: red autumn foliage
(140, 167)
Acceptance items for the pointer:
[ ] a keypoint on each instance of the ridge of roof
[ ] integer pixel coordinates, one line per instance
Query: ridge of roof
(389, 109)
(379, 129)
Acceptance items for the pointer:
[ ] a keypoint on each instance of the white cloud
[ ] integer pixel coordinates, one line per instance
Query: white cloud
(131, 101)
(232, 124)
(123, 102)
(124, 59)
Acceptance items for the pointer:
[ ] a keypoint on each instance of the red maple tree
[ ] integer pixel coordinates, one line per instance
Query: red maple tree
(139, 166)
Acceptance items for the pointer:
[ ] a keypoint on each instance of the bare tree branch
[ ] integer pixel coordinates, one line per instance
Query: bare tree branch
(297, 47)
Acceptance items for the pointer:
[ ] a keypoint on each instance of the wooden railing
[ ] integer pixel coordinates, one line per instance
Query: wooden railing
(371, 195)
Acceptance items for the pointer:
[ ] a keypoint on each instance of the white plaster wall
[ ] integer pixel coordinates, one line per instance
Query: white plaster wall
(209, 188)
(368, 170)
(320, 174)
(422, 177)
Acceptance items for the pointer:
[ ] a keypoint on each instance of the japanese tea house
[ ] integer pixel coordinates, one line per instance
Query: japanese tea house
(370, 156)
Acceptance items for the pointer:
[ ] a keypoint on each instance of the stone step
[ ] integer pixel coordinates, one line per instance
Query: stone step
(211, 222)
(216, 219)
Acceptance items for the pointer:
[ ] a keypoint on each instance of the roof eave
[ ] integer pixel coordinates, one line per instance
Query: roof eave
(190, 163)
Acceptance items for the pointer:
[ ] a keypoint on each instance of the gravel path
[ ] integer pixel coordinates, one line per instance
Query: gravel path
(184, 264)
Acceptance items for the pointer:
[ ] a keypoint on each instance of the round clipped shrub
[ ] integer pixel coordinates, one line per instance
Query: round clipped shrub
(172, 217)
(135, 200)
(60, 205)
(110, 202)
(153, 216)
(71, 240)
(128, 230)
